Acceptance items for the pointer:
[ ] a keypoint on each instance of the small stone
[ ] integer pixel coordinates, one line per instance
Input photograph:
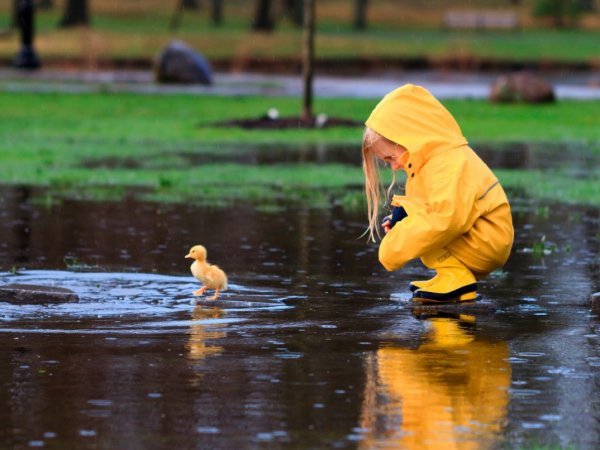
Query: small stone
(30, 294)
(595, 302)
(480, 307)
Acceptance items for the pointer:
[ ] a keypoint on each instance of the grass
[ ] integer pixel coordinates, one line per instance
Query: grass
(139, 30)
(104, 145)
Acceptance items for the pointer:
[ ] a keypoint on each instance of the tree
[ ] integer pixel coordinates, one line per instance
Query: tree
(360, 14)
(294, 9)
(14, 16)
(562, 12)
(217, 11)
(263, 17)
(27, 57)
(587, 5)
(181, 5)
(76, 13)
(308, 57)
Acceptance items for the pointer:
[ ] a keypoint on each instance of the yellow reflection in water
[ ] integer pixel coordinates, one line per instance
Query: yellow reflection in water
(449, 393)
(197, 346)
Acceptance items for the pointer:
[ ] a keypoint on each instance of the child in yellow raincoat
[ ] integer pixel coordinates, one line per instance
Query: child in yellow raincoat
(454, 215)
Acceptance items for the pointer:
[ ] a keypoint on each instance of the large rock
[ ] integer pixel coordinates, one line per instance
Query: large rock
(30, 294)
(521, 87)
(179, 63)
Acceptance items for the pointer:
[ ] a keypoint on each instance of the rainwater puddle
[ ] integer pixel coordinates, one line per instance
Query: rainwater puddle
(314, 344)
(577, 157)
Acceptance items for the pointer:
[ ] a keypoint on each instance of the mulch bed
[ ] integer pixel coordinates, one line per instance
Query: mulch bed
(282, 123)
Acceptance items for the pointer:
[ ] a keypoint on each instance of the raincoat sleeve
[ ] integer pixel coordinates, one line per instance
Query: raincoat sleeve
(437, 216)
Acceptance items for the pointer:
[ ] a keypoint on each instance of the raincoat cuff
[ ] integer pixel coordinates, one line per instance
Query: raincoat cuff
(409, 206)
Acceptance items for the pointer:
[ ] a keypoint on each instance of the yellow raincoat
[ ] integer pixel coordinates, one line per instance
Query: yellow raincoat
(453, 200)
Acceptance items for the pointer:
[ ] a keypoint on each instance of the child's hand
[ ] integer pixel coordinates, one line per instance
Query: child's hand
(386, 224)
(389, 221)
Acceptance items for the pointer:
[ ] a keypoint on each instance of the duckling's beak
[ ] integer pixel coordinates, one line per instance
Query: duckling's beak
(189, 255)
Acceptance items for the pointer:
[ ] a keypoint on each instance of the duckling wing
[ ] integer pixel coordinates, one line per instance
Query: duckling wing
(215, 278)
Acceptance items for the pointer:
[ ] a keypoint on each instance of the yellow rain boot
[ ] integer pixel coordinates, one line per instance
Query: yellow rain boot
(421, 284)
(454, 281)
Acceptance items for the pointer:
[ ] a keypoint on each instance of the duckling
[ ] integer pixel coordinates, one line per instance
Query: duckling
(210, 275)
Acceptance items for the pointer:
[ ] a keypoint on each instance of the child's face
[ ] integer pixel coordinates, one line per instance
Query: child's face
(390, 152)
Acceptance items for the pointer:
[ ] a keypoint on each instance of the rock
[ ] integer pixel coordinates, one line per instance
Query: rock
(480, 307)
(29, 294)
(179, 63)
(595, 303)
(521, 87)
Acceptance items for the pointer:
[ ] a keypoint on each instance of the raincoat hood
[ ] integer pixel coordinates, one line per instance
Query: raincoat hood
(415, 119)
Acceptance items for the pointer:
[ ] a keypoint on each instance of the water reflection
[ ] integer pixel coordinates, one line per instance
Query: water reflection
(198, 346)
(340, 366)
(449, 392)
(500, 155)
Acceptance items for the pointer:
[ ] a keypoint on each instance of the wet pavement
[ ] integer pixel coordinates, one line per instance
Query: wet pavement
(443, 84)
(314, 345)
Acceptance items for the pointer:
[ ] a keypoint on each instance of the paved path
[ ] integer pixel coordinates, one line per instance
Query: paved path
(443, 85)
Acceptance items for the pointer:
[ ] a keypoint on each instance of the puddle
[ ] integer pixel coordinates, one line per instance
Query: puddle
(577, 157)
(125, 295)
(314, 344)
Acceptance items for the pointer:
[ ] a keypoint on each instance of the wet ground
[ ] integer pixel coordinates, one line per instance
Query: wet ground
(442, 83)
(313, 346)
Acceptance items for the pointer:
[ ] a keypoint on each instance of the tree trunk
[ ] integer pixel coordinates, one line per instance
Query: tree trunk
(76, 13)
(360, 14)
(217, 12)
(14, 15)
(295, 11)
(263, 18)
(45, 4)
(189, 4)
(308, 57)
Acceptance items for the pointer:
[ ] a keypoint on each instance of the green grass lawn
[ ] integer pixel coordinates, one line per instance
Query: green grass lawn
(98, 145)
(142, 34)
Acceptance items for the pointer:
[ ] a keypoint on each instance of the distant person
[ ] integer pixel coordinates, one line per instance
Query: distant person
(455, 215)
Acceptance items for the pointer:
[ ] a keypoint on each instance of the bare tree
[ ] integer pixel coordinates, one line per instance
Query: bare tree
(294, 9)
(76, 13)
(360, 14)
(217, 11)
(308, 58)
(263, 17)
(182, 5)
(14, 16)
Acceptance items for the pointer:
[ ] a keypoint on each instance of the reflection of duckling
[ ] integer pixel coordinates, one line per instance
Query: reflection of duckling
(199, 336)
(211, 276)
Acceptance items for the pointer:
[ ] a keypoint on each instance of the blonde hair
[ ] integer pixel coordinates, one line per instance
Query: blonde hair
(373, 183)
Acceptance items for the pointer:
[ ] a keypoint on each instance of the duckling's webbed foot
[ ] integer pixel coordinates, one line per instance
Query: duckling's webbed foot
(200, 291)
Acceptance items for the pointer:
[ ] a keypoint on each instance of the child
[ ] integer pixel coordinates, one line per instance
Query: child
(455, 215)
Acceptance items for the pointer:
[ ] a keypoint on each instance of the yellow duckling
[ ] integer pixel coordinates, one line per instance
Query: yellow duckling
(210, 275)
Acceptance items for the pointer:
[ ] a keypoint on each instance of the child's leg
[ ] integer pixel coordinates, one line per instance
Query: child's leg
(484, 248)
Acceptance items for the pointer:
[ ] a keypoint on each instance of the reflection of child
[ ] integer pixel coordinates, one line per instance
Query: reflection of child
(455, 215)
